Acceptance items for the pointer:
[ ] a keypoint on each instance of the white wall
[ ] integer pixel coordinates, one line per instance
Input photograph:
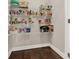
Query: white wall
(10, 42)
(58, 39)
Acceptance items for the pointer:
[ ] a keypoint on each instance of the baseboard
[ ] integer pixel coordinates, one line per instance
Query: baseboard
(9, 52)
(57, 51)
(30, 47)
(37, 46)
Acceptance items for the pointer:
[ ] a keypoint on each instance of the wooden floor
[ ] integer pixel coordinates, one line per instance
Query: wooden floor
(37, 53)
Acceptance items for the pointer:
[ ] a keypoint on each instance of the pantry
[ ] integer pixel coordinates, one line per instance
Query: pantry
(36, 22)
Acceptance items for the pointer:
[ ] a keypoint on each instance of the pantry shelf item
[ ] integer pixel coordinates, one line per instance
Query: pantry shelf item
(14, 2)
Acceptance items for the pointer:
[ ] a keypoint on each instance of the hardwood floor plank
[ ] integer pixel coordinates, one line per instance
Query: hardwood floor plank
(16, 55)
(37, 53)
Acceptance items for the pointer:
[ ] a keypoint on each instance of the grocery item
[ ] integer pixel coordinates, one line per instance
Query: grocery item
(23, 3)
(14, 2)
